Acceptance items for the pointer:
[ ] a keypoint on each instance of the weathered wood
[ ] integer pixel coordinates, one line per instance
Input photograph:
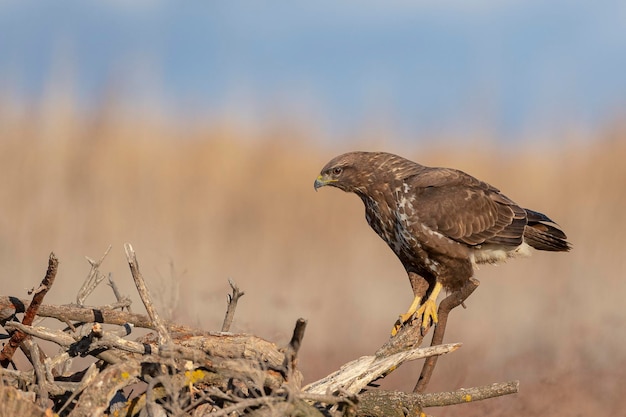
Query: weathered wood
(86, 314)
(228, 346)
(94, 277)
(14, 403)
(97, 395)
(466, 395)
(192, 371)
(232, 301)
(142, 289)
(379, 403)
(356, 375)
(31, 312)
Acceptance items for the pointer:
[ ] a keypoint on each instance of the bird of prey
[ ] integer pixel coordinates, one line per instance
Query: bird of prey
(440, 222)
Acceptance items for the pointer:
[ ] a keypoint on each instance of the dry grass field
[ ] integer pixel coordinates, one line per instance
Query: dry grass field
(203, 202)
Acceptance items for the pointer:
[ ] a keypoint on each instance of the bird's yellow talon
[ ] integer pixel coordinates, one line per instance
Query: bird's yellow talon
(428, 312)
(406, 317)
(402, 320)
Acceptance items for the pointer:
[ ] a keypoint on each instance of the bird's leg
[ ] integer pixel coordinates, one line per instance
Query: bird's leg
(453, 300)
(428, 310)
(404, 318)
(420, 287)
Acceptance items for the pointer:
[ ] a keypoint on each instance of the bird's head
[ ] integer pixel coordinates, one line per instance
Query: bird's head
(347, 172)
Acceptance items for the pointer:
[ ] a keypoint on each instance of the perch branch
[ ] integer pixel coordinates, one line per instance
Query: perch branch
(30, 314)
(232, 305)
(355, 375)
(445, 307)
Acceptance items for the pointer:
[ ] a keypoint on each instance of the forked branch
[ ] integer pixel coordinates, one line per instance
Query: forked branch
(232, 305)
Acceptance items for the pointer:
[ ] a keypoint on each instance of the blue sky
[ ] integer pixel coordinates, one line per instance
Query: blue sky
(419, 66)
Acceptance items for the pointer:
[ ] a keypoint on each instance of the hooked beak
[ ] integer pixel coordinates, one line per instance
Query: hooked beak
(321, 181)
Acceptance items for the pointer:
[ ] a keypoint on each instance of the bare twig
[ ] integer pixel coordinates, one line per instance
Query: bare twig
(27, 348)
(124, 303)
(89, 376)
(232, 305)
(94, 277)
(42, 392)
(291, 350)
(298, 335)
(377, 403)
(31, 312)
(85, 343)
(60, 338)
(118, 295)
(466, 395)
(164, 336)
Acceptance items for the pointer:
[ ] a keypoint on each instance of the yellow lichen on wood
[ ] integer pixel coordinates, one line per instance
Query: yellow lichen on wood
(195, 376)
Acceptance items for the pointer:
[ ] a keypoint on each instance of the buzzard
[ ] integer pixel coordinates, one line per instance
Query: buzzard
(440, 222)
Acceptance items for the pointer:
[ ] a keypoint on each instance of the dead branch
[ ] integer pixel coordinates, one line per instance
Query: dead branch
(118, 295)
(394, 403)
(29, 316)
(356, 375)
(296, 338)
(89, 376)
(466, 395)
(94, 277)
(60, 338)
(232, 305)
(187, 371)
(96, 397)
(142, 289)
(14, 402)
(86, 314)
(445, 307)
(407, 338)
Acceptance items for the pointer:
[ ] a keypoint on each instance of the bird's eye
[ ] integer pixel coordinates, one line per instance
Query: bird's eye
(337, 170)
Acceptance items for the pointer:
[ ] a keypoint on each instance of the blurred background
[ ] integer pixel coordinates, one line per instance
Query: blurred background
(195, 130)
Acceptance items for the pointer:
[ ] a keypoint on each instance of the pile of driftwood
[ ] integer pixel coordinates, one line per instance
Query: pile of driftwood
(181, 371)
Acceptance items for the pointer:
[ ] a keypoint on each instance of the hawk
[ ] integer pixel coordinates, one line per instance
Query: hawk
(440, 222)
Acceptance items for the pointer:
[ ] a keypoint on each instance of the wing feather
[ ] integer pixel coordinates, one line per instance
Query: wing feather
(465, 209)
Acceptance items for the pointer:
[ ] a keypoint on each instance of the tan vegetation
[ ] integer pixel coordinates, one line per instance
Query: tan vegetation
(205, 202)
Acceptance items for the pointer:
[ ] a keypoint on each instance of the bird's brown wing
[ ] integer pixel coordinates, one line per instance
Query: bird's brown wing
(465, 209)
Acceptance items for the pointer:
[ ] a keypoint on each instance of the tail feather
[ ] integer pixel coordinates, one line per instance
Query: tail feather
(542, 235)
